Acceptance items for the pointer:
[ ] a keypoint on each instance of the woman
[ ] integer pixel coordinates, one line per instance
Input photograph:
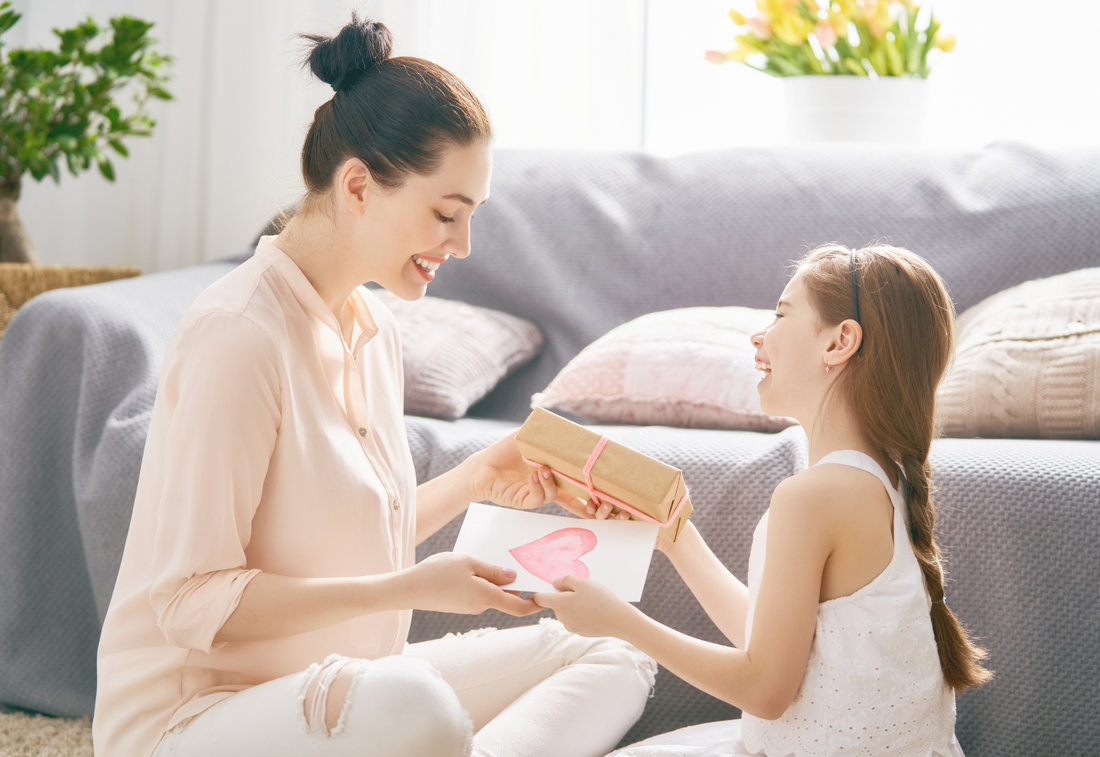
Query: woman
(268, 578)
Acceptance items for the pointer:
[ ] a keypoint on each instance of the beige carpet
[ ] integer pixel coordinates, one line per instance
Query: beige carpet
(38, 736)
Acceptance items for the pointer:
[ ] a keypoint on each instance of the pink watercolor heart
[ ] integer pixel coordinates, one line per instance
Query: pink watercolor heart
(555, 555)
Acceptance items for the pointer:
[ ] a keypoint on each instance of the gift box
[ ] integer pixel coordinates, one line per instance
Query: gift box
(588, 464)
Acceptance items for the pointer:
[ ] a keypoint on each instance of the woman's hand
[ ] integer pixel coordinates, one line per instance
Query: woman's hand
(502, 476)
(589, 608)
(449, 582)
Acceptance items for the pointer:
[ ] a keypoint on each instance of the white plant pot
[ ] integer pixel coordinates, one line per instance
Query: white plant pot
(855, 109)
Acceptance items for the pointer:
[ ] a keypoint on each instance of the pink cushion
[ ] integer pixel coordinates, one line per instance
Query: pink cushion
(453, 354)
(691, 367)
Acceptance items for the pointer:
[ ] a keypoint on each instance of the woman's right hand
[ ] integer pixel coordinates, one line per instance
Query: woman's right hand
(449, 582)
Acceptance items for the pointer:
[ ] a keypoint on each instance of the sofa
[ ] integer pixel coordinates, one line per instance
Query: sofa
(579, 243)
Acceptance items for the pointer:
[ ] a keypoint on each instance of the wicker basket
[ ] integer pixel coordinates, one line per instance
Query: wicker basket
(21, 281)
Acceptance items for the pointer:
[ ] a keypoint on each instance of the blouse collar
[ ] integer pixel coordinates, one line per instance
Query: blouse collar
(311, 302)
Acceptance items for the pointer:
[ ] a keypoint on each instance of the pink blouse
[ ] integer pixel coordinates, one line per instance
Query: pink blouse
(273, 446)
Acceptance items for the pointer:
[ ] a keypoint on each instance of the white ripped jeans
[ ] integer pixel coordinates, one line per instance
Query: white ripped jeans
(519, 692)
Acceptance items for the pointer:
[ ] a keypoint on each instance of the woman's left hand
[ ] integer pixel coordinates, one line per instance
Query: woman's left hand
(502, 476)
(588, 608)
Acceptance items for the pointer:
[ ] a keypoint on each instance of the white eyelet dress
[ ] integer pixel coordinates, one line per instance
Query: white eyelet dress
(873, 683)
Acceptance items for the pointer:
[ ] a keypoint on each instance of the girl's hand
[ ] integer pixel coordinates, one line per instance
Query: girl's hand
(501, 476)
(449, 582)
(588, 608)
(604, 511)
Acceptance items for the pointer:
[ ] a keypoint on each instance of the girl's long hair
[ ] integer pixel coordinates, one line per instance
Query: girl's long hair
(908, 323)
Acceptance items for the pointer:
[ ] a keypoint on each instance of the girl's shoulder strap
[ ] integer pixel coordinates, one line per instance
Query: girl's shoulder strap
(856, 459)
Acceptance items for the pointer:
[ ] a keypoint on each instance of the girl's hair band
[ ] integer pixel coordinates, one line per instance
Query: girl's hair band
(855, 296)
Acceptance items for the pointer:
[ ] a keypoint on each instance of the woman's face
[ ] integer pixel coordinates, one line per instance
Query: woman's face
(791, 354)
(408, 233)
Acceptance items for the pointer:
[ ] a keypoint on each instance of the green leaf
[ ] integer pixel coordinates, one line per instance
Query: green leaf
(855, 67)
(878, 60)
(67, 142)
(8, 17)
(62, 101)
(106, 168)
(786, 67)
(893, 59)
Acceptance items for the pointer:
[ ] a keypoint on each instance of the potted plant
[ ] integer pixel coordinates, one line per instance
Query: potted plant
(61, 104)
(854, 70)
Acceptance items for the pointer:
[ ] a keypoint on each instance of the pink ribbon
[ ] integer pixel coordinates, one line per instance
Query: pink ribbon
(598, 495)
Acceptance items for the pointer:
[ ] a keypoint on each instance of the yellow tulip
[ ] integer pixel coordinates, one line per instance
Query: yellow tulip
(739, 54)
(878, 17)
(792, 29)
(847, 7)
(776, 9)
(945, 42)
(839, 22)
(736, 17)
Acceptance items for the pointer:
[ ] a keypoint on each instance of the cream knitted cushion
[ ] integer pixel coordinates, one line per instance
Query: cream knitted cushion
(1028, 363)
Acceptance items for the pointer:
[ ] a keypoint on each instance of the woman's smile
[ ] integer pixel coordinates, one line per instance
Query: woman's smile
(426, 266)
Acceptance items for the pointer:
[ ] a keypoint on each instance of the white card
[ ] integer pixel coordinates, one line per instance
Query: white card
(541, 547)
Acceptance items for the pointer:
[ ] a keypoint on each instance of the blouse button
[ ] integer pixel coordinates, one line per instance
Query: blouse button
(396, 503)
(362, 432)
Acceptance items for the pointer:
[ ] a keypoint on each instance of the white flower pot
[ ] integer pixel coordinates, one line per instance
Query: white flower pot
(855, 108)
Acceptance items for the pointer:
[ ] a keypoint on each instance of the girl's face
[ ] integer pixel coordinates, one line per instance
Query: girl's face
(408, 233)
(791, 354)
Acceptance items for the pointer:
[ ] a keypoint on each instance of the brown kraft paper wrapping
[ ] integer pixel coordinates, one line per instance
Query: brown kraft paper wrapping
(649, 485)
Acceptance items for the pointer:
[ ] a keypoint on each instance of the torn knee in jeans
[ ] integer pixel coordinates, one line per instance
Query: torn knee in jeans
(326, 693)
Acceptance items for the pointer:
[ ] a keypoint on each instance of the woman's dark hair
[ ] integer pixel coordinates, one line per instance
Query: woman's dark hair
(397, 115)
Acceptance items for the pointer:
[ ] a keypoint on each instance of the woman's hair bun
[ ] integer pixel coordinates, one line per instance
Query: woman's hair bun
(359, 46)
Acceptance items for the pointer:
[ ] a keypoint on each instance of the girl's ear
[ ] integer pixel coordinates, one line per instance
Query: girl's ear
(845, 343)
(354, 184)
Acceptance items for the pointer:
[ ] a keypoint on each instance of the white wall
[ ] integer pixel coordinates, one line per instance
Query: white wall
(1022, 70)
(574, 74)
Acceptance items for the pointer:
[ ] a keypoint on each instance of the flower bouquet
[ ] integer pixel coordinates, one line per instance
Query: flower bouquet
(872, 38)
(854, 70)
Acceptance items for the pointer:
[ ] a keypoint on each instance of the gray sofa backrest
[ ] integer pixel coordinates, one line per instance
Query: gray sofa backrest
(613, 236)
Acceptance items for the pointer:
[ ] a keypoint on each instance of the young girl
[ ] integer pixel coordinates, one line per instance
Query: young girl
(268, 578)
(844, 642)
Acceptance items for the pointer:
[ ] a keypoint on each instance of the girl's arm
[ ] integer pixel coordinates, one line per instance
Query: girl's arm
(273, 606)
(721, 595)
(764, 678)
(495, 474)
